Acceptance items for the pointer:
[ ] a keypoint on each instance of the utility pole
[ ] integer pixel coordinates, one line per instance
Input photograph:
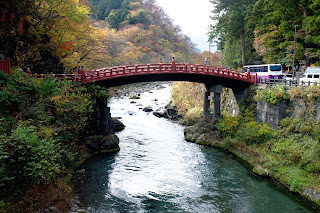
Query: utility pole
(209, 53)
(243, 36)
(294, 50)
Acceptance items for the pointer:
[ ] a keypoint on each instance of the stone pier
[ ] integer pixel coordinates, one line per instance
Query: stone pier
(216, 99)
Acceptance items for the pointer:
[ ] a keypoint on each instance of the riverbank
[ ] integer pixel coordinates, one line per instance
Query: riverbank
(47, 128)
(261, 159)
(157, 170)
(132, 92)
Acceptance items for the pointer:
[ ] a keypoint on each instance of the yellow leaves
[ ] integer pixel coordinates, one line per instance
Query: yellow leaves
(134, 5)
(187, 95)
(46, 132)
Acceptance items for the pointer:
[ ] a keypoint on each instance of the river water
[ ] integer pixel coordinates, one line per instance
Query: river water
(156, 170)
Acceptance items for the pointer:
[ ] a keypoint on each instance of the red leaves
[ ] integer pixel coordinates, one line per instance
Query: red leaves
(67, 45)
(3, 17)
(12, 18)
(20, 29)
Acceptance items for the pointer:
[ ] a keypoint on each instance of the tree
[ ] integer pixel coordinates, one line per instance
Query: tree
(115, 17)
(274, 29)
(231, 26)
(142, 16)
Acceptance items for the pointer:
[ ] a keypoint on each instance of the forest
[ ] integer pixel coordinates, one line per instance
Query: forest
(59, 36)
(45, 123)
(269, 31)
(42, 121)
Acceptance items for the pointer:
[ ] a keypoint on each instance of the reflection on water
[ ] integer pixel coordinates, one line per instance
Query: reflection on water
(156, 170)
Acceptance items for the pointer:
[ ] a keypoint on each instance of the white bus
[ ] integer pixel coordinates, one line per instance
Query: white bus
(265, 71)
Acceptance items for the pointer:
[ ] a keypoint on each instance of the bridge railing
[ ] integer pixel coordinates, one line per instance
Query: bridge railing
(68, 77)
(286, 82)
(119, 71)
(5, 66)
(142, 69)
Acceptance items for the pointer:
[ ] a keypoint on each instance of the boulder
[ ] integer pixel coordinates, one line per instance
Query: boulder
(148, 109)
(110, 142)
(102, 144)
(118, 125)
(134, 96)
(53, 209)
(203, 131)
(171, 111)
(160, 114)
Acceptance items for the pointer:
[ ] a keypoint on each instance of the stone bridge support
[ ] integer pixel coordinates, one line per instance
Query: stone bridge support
(103, 121)
(240, 94)
(216, 99)
(212, 98)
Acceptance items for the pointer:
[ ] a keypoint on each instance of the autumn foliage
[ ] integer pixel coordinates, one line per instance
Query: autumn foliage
(59, 36)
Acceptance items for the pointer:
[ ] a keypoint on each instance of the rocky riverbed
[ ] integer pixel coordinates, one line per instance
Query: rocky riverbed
(103, 144)
(133, 91)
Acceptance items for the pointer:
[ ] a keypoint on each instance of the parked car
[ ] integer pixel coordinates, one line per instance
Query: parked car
(288, 77)
(311, 76)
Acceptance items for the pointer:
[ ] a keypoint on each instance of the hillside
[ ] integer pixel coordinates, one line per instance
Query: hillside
(58, 37)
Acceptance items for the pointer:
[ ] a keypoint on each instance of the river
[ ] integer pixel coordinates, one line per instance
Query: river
(156, 170)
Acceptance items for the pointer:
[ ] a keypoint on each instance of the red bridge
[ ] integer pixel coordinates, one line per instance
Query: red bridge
(155, 72)
(163, 71)
(214, 78)
(120, 75)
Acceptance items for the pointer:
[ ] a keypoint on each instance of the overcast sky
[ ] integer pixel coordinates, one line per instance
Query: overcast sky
(193, 16)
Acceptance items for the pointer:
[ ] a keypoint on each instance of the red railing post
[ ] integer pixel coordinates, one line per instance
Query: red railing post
(5, 66)
(28, 71)
(83, 76)
(8, 66)
(249, 76)
(173, 66)
(255, 79)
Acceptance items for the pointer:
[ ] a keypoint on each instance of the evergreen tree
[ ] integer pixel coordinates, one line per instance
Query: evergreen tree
(231, 27)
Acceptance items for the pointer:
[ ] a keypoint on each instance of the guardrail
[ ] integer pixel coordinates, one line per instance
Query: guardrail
(286, 82)
(69, 77)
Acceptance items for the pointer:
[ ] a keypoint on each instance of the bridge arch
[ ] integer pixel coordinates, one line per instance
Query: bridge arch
(214, 78)
(209, 75)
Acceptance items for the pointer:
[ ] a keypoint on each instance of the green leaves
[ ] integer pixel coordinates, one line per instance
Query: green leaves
(244, 129)
(272, 22)
(40, 119)
(233, 30)
(29, 154)
(272, 95)
(228, 125)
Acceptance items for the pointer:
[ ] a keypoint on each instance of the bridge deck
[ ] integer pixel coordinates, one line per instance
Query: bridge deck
(163, 68)
(105, 74)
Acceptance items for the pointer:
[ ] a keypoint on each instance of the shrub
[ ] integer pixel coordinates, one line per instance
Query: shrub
(272, 95)
(254, 133)
(187, 95)
(72, 109)
(296, 178)
(98, 92)
(193, 115)
(296, 125)
(228, 125)
(311, 157)
(288, 149)
(29, 156)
